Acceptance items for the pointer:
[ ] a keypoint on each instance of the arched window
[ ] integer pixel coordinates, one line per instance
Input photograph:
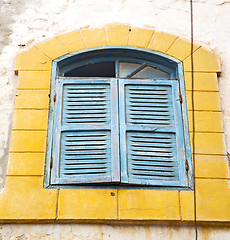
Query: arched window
(118, 116)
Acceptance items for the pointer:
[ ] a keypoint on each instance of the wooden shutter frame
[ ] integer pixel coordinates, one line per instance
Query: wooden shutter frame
(115, 145)
(56, 70)
(182, 181)
(57, 129)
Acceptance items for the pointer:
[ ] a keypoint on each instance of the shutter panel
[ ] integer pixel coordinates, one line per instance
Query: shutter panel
(85, 138)
(151, 133)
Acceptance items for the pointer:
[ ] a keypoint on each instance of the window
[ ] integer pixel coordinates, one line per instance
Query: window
(118, 117)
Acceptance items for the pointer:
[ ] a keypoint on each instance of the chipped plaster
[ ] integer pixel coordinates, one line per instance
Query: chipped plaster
(26, 22)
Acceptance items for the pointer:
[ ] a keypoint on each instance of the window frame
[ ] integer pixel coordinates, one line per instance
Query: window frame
(57, 70)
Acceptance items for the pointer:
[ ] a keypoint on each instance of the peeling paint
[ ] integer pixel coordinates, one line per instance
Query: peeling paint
(25, 22)
(113, 232)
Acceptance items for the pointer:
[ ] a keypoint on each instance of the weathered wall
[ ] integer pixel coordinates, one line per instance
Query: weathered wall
(109, 232)
(26, 22)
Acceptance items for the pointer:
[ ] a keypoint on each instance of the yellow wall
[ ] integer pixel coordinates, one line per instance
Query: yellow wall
(24, 197)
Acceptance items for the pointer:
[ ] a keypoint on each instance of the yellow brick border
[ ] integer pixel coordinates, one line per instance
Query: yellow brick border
(24, 197)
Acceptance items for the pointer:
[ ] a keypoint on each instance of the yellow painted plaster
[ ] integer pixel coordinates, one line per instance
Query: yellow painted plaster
(140, 37)
(52, 48)
(162, 41)
(149, 204)
(32, 60)
(208, 101)
(204, 61)
(187, 205)
(34, 80)
(202, 81)
(26, 164)
(30, 119)
(32, 99)
(94, 37)
(209, 143)
(117, 34)
(206, 121)
(212, 166)
(28, 142)
(181, 49)
(87, 204)
(72, 41)
(212, 197)
(24, 198)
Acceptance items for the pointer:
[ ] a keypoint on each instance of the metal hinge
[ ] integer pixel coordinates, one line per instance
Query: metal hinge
(186, 165)
(55, 97)
(180, 97)
(51, 162)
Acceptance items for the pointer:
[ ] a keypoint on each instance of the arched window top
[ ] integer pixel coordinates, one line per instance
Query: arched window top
(118, 119)
(34, 67)
(117, 62)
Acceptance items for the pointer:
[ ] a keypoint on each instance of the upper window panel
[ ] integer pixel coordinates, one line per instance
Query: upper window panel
(101, 69)
(122, 63)
(133, 70)
(125, 70)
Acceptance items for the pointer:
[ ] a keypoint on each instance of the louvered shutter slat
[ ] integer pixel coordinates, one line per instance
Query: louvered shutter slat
(151, 132)
(85, 129)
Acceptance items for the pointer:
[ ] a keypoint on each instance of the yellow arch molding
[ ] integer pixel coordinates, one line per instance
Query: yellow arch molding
(25, 199)
(124, 35)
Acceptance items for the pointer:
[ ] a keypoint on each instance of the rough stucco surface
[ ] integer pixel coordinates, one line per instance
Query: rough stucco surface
(108, 232)
(26, 22)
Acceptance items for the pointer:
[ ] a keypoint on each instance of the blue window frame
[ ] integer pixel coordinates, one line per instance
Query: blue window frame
(118, 117)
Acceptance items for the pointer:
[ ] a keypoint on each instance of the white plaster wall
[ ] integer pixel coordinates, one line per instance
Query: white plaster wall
(109, 232)
(26, 22)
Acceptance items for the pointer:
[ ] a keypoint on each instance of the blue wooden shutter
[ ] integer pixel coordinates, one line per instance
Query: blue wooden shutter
(85, 135)
(151, 133)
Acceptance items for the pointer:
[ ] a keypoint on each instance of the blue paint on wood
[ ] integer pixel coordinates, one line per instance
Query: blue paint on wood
(117, 130)
(85, 131)
(151, 132)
